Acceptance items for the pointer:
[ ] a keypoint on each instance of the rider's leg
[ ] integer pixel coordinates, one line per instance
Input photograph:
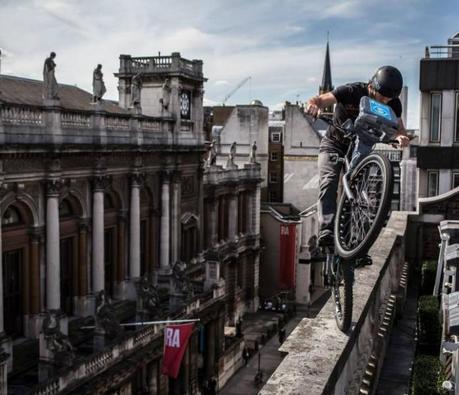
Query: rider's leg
(329, 172)
(361, 149)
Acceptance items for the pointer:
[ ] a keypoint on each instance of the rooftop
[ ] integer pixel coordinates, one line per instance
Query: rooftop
(25, 91)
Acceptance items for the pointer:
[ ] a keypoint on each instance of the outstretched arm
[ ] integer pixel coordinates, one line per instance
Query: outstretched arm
(316, 103)
(401, 136)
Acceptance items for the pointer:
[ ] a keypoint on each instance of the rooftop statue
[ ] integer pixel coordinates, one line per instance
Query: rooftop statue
(182, 283)
(49, 79)
(98, 85)
(253, 153)
(149, 295)
(106, 320)
(136, 84)
(56, 341)
(165, 100)
(232, 154)
(211, 155)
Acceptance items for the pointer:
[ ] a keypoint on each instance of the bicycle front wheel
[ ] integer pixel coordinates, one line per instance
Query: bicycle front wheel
(343, 279)
(359, 222)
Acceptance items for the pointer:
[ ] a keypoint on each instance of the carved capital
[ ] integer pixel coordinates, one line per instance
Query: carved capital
(100, 182)
(176, 176)
(83, 226)
(53, 187)
(137, 179)
(165, 176)
(36, 234)
(199, 92)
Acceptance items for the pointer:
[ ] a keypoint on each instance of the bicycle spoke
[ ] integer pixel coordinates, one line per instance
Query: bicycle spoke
(359, 215)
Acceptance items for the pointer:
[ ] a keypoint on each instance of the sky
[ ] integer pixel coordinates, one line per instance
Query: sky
(280, 44)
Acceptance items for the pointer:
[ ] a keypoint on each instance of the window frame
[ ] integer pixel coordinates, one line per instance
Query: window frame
(439, 94)
(272, 159)
(429, 173)
(454, 173)
(278, 137)
(275, 179)
(456, 118)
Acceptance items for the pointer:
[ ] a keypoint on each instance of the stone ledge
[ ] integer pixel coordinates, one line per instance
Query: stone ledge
(323, 360)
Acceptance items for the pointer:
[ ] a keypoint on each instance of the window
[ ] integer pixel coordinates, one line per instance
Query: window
(274, 156)
(435, 117)
(65, 209)
(273, 177)
(11, 217)
(66, 268)
(456, 120)
(432, 183)
(12, 292)
(455, 182)
(276, 137)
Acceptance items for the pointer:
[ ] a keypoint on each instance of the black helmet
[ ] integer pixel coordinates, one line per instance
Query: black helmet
(387, 81)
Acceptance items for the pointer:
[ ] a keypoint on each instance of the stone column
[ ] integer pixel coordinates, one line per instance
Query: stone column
(213, 225)
(134, 229)
(255, 211)
(121, 262)
(232, 216)
(98, 240)
(165, 223)
(35, 282)
(53, 291)
(175, 218)
(82, 258)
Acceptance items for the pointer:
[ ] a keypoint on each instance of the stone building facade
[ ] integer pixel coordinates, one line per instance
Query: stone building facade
(115, 197)
(438, 152)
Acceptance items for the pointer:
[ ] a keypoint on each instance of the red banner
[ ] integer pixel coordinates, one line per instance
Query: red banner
(175, 341)
(287, 255)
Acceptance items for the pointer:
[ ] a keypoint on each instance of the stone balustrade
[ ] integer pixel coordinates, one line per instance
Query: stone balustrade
(160, 64)
(216, 175)
(21, 124)
(21, 115)
(132, 342)
(100, 361)
(76, 120)
(321, 359)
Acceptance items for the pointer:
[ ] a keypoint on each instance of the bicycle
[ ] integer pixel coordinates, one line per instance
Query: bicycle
(364, 203)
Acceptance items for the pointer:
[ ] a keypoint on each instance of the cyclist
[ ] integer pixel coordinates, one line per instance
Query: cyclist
(385, 86)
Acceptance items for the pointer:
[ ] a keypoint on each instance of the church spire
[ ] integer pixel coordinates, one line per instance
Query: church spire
(327, 85)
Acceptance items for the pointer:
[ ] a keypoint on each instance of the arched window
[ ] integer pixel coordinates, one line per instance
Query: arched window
(189, 245)
(108, 202)
(65, 209)
(11, 217)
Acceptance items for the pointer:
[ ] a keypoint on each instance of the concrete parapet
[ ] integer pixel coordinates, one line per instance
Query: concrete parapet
(323, 360)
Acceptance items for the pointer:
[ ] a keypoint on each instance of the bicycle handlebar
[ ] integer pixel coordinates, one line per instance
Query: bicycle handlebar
(346, 132)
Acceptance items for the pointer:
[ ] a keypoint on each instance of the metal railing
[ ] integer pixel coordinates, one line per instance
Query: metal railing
(442, 51)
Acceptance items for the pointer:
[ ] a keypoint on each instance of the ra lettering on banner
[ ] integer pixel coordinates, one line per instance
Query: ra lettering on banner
(176, 339)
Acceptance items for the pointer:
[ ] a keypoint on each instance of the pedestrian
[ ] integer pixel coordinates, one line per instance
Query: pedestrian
(281, 335)
(246, 355)
(239, 327)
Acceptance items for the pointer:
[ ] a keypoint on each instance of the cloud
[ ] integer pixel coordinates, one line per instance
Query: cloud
(280, 44)
(221, 82)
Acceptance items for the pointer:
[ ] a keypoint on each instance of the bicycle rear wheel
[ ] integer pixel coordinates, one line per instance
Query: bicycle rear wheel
(343, 279)
(359, 222)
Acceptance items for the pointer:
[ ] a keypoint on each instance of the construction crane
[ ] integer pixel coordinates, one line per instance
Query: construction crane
(243, 82)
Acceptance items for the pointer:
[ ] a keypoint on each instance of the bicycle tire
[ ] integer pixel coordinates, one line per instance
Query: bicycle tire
(343, 281)
(346, 209)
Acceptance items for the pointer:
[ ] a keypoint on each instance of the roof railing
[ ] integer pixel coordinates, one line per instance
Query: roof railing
(442, 51)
